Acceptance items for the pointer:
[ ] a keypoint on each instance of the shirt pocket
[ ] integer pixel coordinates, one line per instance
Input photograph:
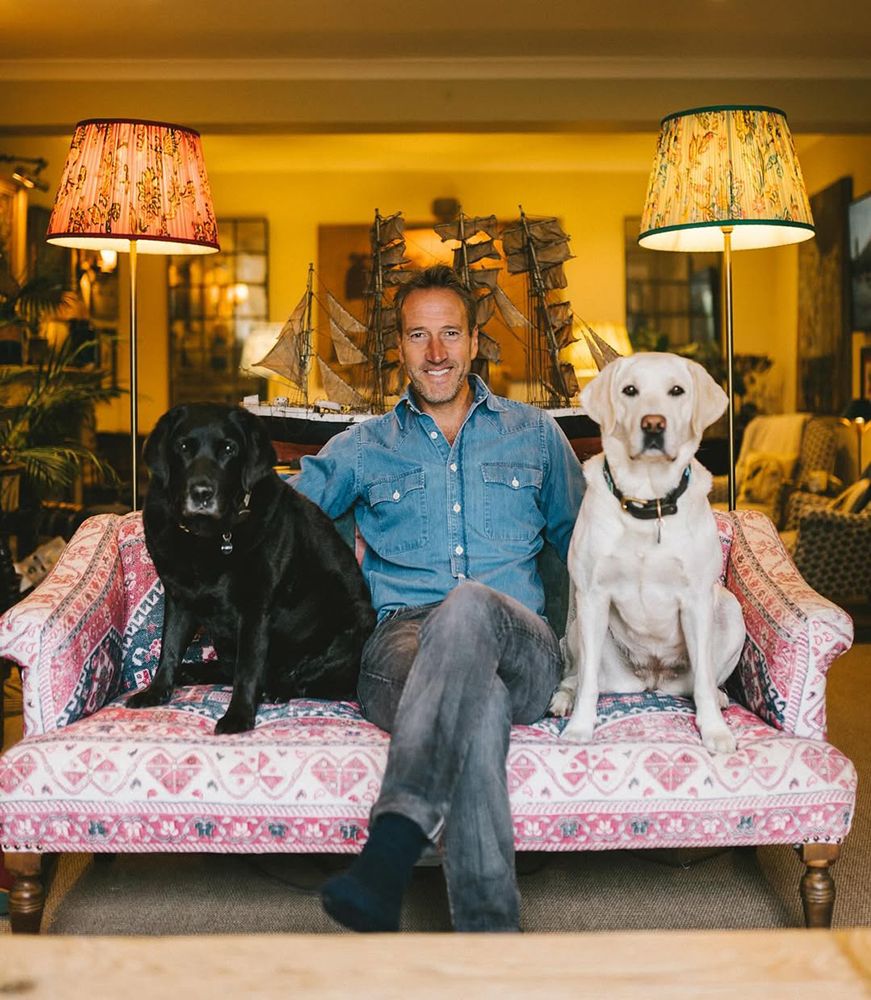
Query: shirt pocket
(393, 517)
(512, 495)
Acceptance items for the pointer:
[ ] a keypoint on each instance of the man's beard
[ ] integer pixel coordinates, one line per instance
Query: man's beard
(446, 393)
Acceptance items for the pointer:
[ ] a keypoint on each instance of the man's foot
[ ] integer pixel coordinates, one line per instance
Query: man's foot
(368, 896)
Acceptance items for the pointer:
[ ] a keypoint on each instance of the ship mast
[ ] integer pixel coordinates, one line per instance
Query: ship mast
(540, 293)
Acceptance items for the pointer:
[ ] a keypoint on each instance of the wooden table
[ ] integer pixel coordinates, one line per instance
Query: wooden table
(662, 965)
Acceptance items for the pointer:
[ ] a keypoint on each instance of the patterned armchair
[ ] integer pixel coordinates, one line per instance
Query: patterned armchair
(92, 776)
(832, 547)
(782, 455)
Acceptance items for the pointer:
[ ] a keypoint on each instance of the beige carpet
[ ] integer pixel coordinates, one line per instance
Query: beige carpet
(179, 894)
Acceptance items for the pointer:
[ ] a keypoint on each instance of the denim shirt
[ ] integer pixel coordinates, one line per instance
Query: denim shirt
(434, 514)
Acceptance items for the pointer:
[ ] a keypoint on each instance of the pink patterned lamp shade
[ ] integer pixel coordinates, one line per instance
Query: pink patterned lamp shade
(134, 180)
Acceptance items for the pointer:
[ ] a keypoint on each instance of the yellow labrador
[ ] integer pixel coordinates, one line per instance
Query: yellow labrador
(647, 609)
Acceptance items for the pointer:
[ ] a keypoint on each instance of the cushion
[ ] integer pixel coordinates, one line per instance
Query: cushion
(854, 498)
(306, 777)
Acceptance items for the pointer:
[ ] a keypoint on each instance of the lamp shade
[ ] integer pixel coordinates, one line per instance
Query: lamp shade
(725, 166)
(130, 180)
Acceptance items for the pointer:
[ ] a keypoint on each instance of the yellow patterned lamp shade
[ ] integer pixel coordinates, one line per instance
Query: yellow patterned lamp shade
(130, 180)
(725, 166)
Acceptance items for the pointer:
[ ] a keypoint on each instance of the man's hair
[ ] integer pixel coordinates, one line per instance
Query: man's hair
(437, 276)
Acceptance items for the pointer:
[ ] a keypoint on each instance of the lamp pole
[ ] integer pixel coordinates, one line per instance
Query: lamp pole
(134, 388)
(727, 323)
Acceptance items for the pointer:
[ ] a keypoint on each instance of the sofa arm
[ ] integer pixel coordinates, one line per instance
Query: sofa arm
(793, 633)
(66, 635)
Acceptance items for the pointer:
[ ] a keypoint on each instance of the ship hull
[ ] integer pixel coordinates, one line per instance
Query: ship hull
(296, 431)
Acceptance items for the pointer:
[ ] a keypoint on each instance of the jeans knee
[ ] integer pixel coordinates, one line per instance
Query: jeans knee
(471, 605)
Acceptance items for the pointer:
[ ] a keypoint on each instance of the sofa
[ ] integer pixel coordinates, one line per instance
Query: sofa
(90, 775)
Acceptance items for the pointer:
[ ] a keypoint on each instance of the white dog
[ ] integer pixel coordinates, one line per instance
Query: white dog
(647, 611)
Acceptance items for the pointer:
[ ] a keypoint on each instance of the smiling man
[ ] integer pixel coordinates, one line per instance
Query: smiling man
(454, 491)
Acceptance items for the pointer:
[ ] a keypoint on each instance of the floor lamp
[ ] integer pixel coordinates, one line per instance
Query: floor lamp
(134, 187)
(725, 178)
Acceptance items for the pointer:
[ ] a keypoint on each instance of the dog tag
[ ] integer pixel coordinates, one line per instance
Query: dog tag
(226, 544)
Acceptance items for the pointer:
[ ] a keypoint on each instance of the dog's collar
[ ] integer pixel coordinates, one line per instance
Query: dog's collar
(227, 537)
(648, 510)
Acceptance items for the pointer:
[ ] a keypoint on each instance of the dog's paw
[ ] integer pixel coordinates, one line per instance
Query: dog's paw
(578, 731)
(154, 694)
(718, 739)
(722, 698)
(562, 702)
(234, 722)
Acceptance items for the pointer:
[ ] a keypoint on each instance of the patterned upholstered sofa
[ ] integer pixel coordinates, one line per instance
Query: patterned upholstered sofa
(92, 776)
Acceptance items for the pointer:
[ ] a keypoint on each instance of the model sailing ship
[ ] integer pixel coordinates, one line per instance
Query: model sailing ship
(364, 377)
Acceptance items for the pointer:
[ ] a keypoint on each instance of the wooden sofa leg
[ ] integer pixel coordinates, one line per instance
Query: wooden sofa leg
(27, 896)
(817, 885)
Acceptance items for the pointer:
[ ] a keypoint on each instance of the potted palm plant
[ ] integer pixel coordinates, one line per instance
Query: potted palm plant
(42, 411)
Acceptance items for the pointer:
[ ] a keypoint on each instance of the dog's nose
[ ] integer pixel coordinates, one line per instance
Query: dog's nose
(653, 423)
(201, 495)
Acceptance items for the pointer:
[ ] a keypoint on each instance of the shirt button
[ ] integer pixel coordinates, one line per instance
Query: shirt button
(459, 550)
(461, 576)
(453, 466)
(457, 508)
(396, 494)
(433, 434)
(515, 483)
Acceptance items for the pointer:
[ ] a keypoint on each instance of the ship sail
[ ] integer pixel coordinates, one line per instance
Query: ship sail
(338, 389)
(347, 353)
(287, 357)
(460, 229)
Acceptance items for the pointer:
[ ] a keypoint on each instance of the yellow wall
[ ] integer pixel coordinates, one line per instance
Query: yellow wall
(591, 182)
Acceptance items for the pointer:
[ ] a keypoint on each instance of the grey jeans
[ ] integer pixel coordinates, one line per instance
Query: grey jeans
(447, 681)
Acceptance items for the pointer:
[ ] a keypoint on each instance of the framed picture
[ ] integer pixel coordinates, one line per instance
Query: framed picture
(865, 373)
(860, 261)
(13, 227)
(824, 346)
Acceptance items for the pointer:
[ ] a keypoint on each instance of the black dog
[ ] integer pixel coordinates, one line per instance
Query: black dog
(255, 563)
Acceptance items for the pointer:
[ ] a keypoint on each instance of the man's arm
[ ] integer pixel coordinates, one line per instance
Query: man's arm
(330, 478)
(563, 486)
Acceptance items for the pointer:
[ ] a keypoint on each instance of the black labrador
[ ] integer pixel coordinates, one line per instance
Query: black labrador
(259, 566)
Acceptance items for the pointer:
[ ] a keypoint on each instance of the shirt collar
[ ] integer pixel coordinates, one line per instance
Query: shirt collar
(482, 396)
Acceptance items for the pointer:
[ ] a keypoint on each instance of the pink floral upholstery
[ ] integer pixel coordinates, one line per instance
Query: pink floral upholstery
(91, 775)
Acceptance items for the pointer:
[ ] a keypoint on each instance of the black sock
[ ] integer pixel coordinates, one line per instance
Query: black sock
(368, 896)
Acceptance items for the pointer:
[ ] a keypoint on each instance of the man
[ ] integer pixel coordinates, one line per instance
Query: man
(453, 492)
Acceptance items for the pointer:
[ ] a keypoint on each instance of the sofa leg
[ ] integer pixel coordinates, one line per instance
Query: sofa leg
(817, 885)
(27, 896)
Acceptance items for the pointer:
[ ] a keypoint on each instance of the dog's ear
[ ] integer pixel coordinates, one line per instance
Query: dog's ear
(597, 398)
(710, 400)
(155, 451)
(258, 454)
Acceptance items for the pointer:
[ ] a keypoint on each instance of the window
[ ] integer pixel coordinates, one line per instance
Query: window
(214, 300)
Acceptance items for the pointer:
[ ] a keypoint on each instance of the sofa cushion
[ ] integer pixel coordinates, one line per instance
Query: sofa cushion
(306, 777)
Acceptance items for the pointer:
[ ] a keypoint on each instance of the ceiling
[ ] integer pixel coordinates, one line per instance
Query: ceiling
(386, 65)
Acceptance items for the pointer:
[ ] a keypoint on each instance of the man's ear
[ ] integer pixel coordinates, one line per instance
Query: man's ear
(258, 455)
(597, 398)
(155, 451)
(710, 401)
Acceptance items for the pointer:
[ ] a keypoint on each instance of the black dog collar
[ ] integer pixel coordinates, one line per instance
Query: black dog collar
(648, 510)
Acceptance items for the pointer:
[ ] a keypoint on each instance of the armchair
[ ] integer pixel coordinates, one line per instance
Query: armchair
(832, 545)
(91, 775)
(782, 454)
